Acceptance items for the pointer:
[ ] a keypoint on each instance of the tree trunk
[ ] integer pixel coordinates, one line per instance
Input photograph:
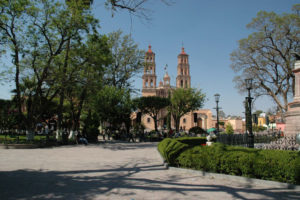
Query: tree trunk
(77, 117)
(177, 123)
(155, 123)
(18, 95)
(62, 90)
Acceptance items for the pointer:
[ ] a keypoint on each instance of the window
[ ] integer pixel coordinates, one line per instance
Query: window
(151, 83)
(184, 120)
(181, 71)
(148, 120)
(181, 83)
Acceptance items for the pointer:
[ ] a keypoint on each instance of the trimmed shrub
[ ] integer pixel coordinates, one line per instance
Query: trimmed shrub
(170, 150)
(197, 130)
(192, 141)
(275, 165)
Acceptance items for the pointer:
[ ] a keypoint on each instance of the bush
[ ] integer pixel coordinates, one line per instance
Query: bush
(90, 129)
(275, 165)
(229, 129)
(170, 149)
(192, 141)
(197, 130)
(257, 128)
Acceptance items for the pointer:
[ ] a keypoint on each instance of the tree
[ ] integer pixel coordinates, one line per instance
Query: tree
(127, 60)
(59, 58)
(258, 112)
(266, 56)
(8, 115)
(79, 19)
(183, 101)
(134, 7)
(152, 106)
(85, 74)
(113, 105)
(12, 31)
(229, 129)
(53, 31)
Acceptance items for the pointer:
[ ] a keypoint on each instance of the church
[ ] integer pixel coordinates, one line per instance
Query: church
(201, 118)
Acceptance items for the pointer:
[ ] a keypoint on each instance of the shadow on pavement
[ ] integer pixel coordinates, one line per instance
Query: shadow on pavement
(88, 184)
(117, 145)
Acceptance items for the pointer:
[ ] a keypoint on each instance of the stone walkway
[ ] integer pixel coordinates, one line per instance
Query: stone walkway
(127, 171)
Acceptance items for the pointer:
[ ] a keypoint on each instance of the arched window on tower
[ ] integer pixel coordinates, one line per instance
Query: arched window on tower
(151, 83)
(181, 71)
(181, 83)
(146, 83)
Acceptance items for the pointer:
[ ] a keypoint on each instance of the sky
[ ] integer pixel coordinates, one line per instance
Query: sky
(209, 31)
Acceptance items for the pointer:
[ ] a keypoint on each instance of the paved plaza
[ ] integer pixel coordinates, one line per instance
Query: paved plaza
(127, 171)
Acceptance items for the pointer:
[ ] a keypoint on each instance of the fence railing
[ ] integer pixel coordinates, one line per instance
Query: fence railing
(264, 140)
(243, 139)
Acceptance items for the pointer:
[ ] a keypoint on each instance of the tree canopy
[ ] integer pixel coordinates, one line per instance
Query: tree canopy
(184, 100)
(60, 60)
(152, 105)
(266, 56)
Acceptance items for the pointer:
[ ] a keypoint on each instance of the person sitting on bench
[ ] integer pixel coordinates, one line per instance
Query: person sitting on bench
(81, 139)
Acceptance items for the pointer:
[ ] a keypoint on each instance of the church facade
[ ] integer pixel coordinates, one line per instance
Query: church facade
(201, 118)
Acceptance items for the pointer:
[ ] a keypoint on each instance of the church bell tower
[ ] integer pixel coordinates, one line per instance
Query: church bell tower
(183, 79)
(149, 77)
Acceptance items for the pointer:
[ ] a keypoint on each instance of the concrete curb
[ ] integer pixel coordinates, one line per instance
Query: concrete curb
(19, 146)
(239, 179)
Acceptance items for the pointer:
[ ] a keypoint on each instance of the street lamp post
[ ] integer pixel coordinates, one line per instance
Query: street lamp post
(217, 98)
(249, 117)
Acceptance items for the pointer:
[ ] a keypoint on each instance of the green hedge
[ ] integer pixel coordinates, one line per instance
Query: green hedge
(170, 149)
(275, 165)
(192, 141)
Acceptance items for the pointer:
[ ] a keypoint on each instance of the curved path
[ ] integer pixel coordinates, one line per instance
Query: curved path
(124, 171)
